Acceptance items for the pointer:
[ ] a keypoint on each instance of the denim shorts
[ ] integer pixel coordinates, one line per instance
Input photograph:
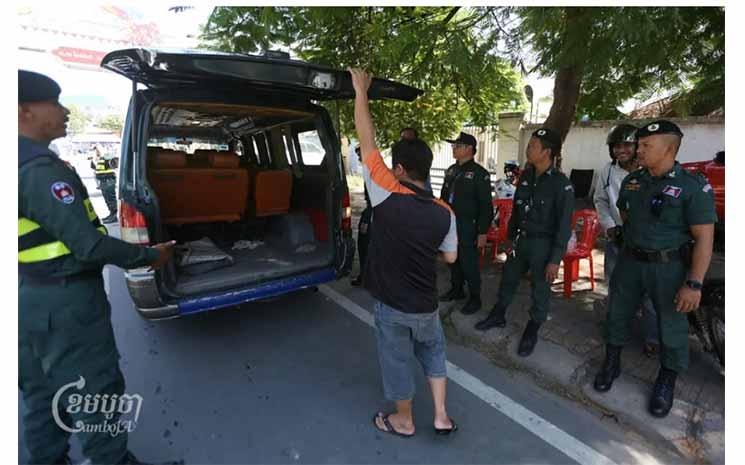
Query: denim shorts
(402, 336)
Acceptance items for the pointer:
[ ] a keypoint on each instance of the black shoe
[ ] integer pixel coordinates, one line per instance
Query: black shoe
(529, 339)
(356, 281)
(663, 393)
(112, 218)
(453, 294)
(611, 369)
(494, 320)
(471, 307)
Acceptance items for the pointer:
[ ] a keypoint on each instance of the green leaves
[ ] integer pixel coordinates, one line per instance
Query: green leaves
(628, 51)
(441, 50)
(466, 58)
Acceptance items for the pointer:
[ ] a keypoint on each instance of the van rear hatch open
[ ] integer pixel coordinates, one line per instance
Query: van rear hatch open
(159, 69)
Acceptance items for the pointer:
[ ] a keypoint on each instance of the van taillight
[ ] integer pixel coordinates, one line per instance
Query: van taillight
(346, 216)
(133, 225)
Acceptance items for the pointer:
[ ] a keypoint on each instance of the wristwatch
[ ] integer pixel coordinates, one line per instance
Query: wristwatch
(695, 285)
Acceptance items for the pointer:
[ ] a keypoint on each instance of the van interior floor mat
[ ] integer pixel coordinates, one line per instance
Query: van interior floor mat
(252, 266)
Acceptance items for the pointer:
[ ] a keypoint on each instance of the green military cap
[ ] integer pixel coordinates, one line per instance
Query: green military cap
(36, 87)
(658, 127)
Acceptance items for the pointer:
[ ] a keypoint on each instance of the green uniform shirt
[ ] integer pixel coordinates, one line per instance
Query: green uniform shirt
(683, 199)
(467, 189)
(65, 217)
(543, 207)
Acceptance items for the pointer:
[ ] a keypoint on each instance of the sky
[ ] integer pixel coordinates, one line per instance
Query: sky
(92, 85)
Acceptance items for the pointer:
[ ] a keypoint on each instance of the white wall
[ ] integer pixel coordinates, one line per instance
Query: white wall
(584, 147)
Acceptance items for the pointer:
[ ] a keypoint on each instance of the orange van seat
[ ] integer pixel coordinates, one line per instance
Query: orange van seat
(200, 195)
(272, 191)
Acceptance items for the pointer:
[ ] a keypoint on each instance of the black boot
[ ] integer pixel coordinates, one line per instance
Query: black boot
(357, 281)
(112, 218)
(472, 306)
(130, 459)
(454, 293)
(494, 320)
(64, 459)
(529, 339)
(663, 393)
(611, 368)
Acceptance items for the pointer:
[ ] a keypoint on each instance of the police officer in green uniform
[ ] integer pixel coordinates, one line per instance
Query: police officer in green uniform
(668, 229)
(467, 189)
(539, 228)
(105, 171)
(64, 326)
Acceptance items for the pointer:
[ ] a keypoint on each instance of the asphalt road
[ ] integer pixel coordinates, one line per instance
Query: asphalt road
(296, 380)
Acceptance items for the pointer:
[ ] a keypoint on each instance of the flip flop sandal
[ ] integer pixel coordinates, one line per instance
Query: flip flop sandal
(390, 429)
(446, 431)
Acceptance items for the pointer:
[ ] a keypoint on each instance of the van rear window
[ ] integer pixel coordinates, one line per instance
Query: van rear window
(188, 144)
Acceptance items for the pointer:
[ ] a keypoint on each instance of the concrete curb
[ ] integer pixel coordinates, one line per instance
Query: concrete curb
(689, 430)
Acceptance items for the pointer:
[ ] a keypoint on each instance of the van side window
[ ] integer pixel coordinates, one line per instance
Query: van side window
(262, 150)
(249, 149)
(311, 149)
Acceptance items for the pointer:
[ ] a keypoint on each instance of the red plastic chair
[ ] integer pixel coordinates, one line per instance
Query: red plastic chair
(497, 232)
(588, 218)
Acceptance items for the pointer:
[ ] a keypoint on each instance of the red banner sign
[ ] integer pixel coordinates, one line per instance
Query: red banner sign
(79, 55)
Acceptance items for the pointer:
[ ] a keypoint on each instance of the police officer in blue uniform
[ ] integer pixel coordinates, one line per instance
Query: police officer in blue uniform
(668, 229)
(64, 324)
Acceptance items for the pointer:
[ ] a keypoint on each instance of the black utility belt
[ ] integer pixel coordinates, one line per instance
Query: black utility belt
(655, 256)
(35, 280)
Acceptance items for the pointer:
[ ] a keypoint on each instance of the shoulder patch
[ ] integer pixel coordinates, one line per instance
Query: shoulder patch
(707, 188)
(63, 192)
(568, 187)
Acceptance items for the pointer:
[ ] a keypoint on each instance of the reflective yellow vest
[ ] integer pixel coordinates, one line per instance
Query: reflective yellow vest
(103, 167)
(36, 245)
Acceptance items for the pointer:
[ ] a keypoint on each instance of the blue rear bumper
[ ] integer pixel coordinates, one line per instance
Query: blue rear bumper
(262, 291)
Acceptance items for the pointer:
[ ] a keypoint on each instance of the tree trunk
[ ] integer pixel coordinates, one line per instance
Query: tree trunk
(568, 78)
(566, 95)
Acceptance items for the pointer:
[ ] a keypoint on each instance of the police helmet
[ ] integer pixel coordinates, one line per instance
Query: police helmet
(511, 166)
(618, 134)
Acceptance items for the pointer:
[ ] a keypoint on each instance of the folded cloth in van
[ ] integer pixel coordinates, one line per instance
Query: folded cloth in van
(197, 257)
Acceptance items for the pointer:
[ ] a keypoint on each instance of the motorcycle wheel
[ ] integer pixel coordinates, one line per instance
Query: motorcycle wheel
(716, 331)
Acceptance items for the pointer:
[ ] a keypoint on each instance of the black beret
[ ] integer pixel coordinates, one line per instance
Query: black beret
(35, 87)
(548, 135)
(658, 127)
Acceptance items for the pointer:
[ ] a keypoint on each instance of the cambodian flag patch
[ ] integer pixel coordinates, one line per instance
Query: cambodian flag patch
(672, 191)
(63, 192)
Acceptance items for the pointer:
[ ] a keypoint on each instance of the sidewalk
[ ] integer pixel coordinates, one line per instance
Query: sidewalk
(571, 350)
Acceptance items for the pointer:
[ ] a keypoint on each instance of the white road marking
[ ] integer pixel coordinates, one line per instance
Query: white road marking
(545, 430)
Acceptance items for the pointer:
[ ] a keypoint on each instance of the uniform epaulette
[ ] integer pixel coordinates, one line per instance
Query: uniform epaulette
(697, 176)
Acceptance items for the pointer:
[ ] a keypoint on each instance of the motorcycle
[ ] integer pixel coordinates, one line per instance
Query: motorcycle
(707, 321)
